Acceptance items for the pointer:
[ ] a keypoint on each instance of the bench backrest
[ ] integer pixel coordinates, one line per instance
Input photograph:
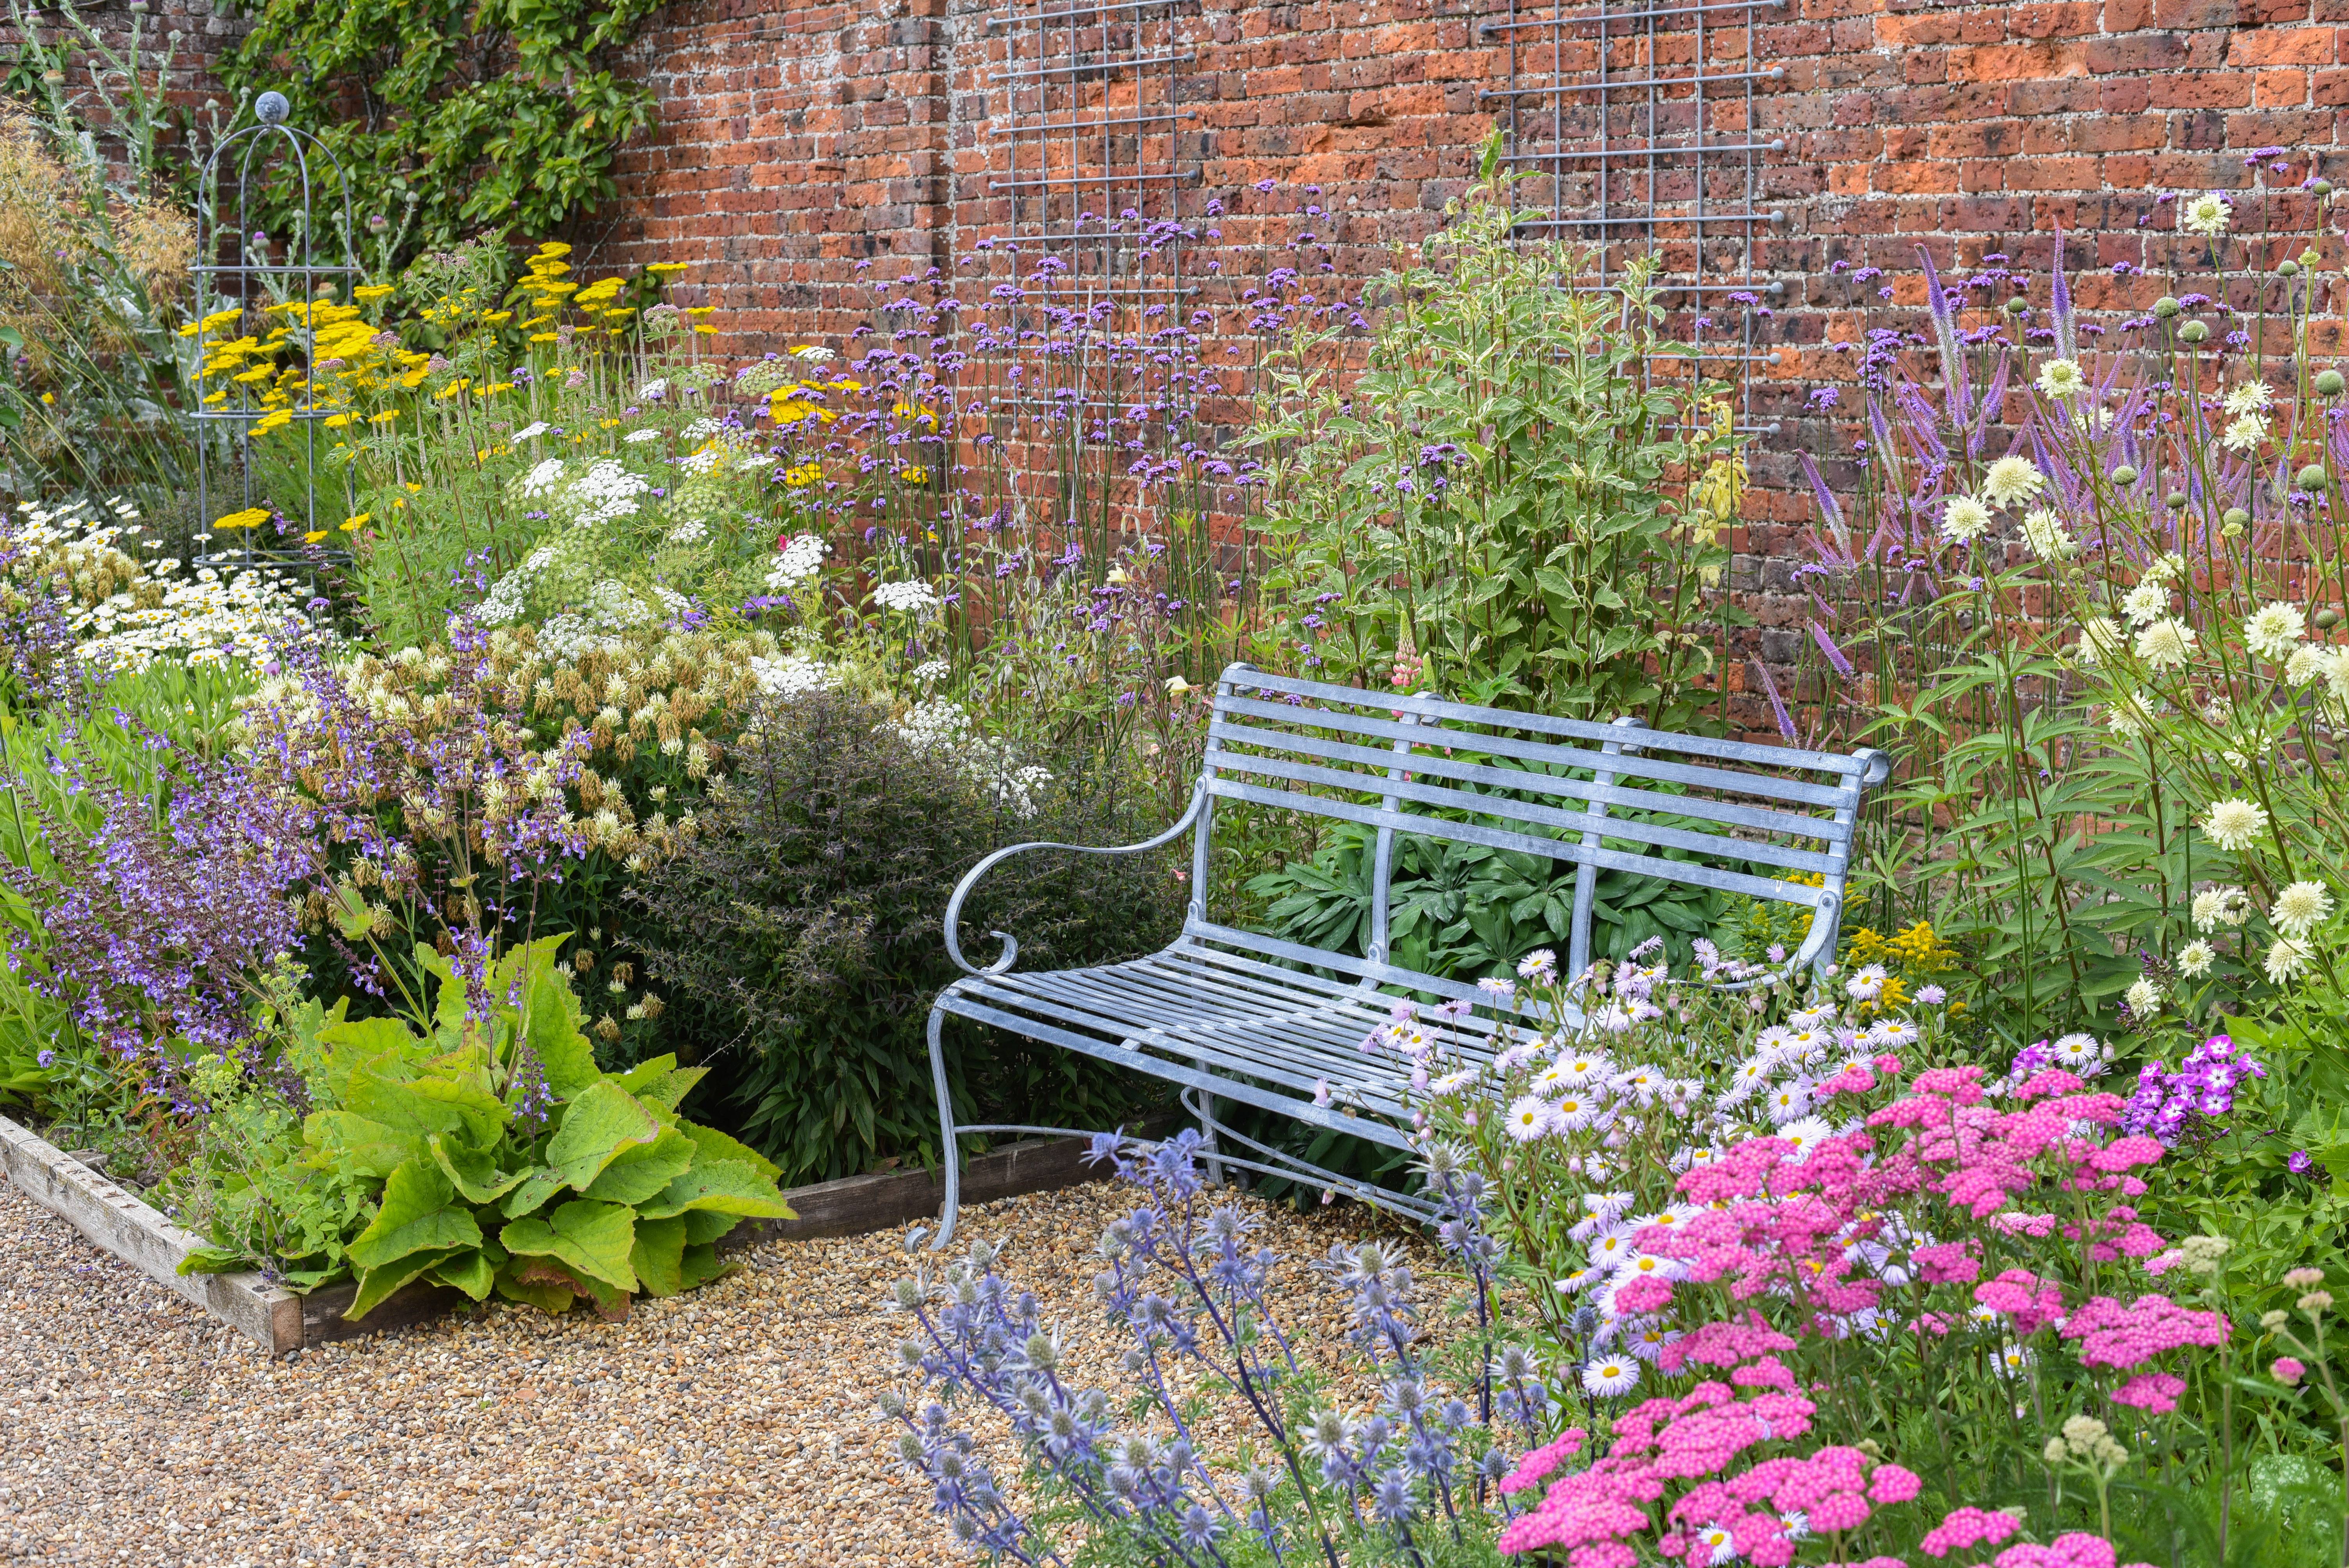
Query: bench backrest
(1748, 818)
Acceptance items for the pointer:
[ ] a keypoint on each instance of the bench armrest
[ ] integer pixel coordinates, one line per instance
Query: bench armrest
(1011, 944)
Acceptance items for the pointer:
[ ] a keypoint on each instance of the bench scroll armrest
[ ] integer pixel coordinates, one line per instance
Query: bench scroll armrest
(1010, 953)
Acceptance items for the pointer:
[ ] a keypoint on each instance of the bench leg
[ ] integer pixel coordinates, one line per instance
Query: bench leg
(950, 1146)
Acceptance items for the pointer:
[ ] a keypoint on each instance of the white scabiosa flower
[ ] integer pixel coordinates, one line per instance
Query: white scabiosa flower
(2235, 825)
(2218, 906)
(2013, 481)
(2275, 631)
(1964, 520)
(2166, 643)
(2309, 661)
(2148, 601)
(2245, 433)
(2045, 533)
(2194, 959)
(2250, 397)
(2101, 637)
(2285, 959)
(2301, 908)
(2206, 214)
(2144, 998)
(2062, 378)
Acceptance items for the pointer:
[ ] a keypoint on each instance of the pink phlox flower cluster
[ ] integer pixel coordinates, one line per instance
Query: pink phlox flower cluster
(1968, 1526)
(2155, 1391)
(1542, 1460)
(2027, 1301)
(2126, 1337)
(1603, 1504)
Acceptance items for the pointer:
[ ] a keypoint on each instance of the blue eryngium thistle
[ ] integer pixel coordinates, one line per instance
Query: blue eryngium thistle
(1189, 1292)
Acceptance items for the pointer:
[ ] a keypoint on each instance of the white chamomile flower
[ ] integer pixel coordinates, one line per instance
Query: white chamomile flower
(2301, 908)
(1805, 1135)
(2074, 1053)
(1964, 520)
(2012, 480)
(2235, 825)
(2275, 631)
(1607, 1375)
(2194, 959)
(2062, 378)
(2013, 1361)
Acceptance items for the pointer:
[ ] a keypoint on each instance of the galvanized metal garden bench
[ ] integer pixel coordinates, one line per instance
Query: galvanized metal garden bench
(1243, 1017)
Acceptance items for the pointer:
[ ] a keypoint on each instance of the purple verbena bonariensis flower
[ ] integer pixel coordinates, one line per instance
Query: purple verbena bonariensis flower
(159, 923)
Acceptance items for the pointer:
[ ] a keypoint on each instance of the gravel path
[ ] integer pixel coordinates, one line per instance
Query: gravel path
(728, 1426)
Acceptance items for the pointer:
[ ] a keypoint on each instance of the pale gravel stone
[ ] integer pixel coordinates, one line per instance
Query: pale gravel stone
(728, 1426)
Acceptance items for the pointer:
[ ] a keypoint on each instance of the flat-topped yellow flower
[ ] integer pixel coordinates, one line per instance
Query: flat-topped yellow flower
(251, 517)
(353, 524)
(666, 269)
(374, 290)
(277, 421)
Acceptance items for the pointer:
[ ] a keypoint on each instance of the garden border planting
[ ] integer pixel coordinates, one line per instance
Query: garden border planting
(279, 1321)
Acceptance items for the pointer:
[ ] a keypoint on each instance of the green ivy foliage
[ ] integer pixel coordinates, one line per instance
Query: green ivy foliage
(451, 118)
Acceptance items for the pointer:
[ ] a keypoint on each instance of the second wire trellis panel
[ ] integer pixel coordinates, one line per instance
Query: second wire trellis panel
(1638, 120)
(1090, 145)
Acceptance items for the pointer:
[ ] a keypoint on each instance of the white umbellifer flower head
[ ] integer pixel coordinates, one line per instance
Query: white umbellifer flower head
(2144, 998)
(2012, 480)
(2301, 908)
(542, 479)
(797, 561)
(917, 598)
(638, 437)
(2194, 959)
(2245, 433)
(2148, 601)
(2101, 637)
(692, 531)
(814, 353)
(2250, 397)
(1964, 519)
(652, 391)
(534, 429)
(1608, 1375)
(2235, 825)
(2218, 906)
(2206, 214)
(2168, 643)
(2285, 959)
(2062, 378)
(2275, 631)
(2045, 533)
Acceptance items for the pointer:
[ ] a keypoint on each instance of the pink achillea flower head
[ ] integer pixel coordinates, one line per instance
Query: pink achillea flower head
(2156, 1392)
(2288, 1371)
(1968, 1526)
(1542, 1460)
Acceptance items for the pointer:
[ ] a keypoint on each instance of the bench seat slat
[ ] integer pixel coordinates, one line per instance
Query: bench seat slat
(1575, 822)
(1641, 764)
(1740, 751)
(1151, 1008)
(1426, 761)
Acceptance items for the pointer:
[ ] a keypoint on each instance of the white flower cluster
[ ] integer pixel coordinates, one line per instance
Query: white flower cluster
(2013, 481)
(916, 598)
(791, 675)
(943, 729)
(797, 561)
(606, 493)
(204, 619)
(612, 608)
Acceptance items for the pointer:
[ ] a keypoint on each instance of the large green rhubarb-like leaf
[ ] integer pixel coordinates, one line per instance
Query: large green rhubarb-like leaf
(473, 1171)
(661, 1084)
(338, 1140)
(723, 1186)
(658, 1256)
(418, 1108)
(713, 1145)
(417, 1216)
(592, 1240)
(376, 1284)
(604, 1121)
(643, 1172)
(469, 1272)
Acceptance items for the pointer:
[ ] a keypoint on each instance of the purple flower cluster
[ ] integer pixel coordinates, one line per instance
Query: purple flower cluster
(2187, 1103)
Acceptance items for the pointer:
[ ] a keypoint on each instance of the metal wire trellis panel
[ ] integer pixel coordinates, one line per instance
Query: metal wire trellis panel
(1638, 119)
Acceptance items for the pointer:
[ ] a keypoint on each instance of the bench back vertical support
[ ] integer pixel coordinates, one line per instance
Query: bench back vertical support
(1586, 880)
(1382, 854)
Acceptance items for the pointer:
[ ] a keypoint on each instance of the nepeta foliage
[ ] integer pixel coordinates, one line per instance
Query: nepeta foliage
(1410, 1482)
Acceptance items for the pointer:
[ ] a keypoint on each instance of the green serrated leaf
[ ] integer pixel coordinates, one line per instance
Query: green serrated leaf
(659, 1254)
(592, 1240)
(727, 1186)
(469, 1272)
(473, 1171)
(641, 1172)
(602, 1122)
(416, 1215)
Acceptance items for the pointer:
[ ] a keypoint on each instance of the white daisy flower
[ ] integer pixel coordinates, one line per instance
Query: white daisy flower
(2301, 908)
(2275, 631)
(2206, 214)
(1608, 1375)
(2194, 959)
(1964, 520)
(2166, 643)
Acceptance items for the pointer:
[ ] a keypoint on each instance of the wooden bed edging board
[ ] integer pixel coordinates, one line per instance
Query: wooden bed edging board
(280, 1321)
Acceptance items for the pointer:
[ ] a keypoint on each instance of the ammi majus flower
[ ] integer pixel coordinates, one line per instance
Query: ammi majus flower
(2206, 214)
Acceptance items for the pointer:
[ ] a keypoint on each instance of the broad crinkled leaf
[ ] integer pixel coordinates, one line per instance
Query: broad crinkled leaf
(659, 1255)
(473, 1171)
(642, 1171)
(727, 1186)
(417, 1216)
(703, 1226)
(700, 1265)
(375, 1284)
(710, 1144)
(661, 1083)
(418, 1107)
(536, 1188)
(604, 1121)
(469, 1272)
(537, 1282)
(592, 1240)
(346, 1047)
(340, 1141)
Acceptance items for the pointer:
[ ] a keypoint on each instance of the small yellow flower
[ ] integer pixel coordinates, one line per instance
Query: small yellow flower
(497, 317)
(546, 337)
(353, 524)
(414, 488)
(386, 417)
(373, 291)
(313, 536)
(666, 269)
(276, 420)
(338, 421)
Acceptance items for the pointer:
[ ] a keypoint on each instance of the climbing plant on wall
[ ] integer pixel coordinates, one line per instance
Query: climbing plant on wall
(453, 118)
